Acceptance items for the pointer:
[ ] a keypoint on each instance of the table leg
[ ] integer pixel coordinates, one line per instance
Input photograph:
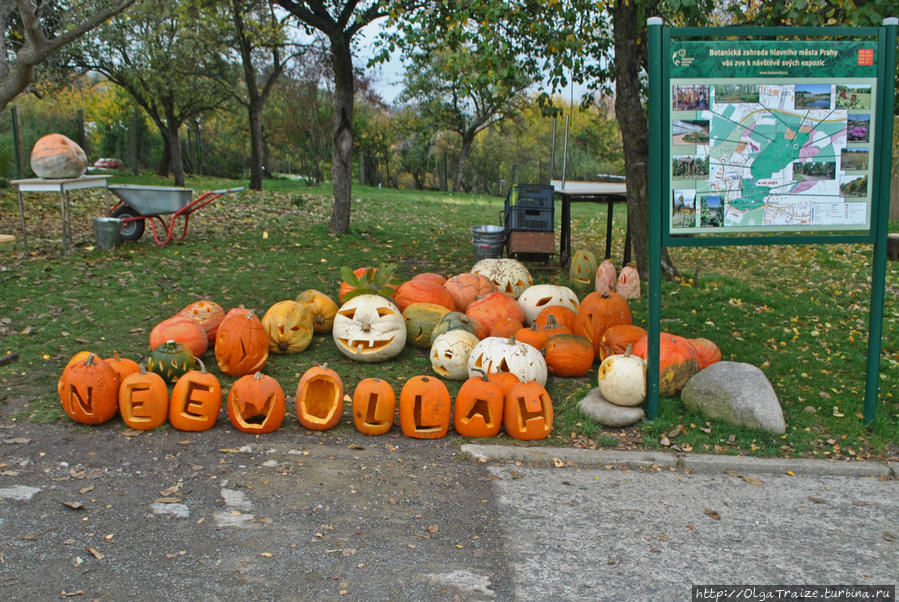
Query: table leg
(610, 204)
(565, 236)
(627, 245)
(64, 204)
(22, 220)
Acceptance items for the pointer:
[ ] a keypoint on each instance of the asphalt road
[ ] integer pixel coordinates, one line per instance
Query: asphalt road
(105, 513)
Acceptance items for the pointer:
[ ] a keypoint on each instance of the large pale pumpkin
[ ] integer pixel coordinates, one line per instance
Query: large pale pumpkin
(55, 156)
(288, 325)
(449, 354)
(494, 354)
(509, 276)
(369, 328)
(622, 379)
(540, 296)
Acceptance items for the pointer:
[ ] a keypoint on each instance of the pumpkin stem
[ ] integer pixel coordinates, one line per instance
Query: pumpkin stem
(89, 361)
(551, 321)
(258, 376)
(202, 365)
(627, 352)
(482, 371)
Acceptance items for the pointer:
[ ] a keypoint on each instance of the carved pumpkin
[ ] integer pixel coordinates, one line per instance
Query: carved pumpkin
(256, 404)
(421, 318)
(528, 412)
(706, 351)
(509, 276)
(622, 379)
(536, 298)
(488, 310)
(143, 400)
(449, 354)
(241, 344)
(628, 285)
(425, 408)
(122, 366)
(374, 404)
(454, 320)
(55, 156)
(606, 277)
(616, 338)
(677, 362)
(564, 316)
(181, 329)
(321, 307)
(421, 290)
(467, 287)
(582, 271)
(89, 391)
(507, 355)
(320, 398)
(478, 411)
(568, 355)
(505, 380)
(369, 328)
(598, 312)
(288, 325)
(195, 401)
(207, 314)
(171, 360)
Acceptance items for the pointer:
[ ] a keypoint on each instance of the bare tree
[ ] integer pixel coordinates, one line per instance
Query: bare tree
(17, 61)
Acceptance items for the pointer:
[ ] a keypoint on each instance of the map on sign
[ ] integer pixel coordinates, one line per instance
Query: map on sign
(770, 156)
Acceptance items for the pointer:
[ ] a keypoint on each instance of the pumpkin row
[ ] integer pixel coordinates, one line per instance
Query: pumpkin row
(93, 390)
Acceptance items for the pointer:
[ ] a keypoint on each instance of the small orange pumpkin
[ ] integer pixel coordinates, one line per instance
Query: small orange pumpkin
(122, 366)
(256, 404)
(181, 329)
(195, 401)
(616, 338)
(425, 408)
(563, 315)
(143, 400)
(207, 314)
(478, 411)
(568, 355)
(320, 398)
(89, 391)
(374, 404)
(528, 412)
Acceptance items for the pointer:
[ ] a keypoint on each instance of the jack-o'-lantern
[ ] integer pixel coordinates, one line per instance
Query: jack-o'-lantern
(374, 404)
(494, 354)
(89, 391)
(509, 276)
(449, 354)
(582, 271)
(598, 312)
(143, 400)
(241, 344)
(195, 401)
(628, 285)
(478, 411)
(256, 404)
(208, 314)
(606, 277)
(288, 325)
(425, 408)
(536, 298)
(528, 412)
(320, 398)
(369, 328)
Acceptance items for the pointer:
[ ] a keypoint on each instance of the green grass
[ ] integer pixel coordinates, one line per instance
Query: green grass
(798, 312)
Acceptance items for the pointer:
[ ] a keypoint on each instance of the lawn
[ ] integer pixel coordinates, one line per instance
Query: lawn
(798, 312)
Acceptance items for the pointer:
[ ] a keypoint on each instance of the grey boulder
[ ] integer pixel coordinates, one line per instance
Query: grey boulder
(736, 393)
(596, 407)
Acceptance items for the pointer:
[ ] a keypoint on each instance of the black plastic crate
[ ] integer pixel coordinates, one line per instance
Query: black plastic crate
(530, 219)
(531, 195)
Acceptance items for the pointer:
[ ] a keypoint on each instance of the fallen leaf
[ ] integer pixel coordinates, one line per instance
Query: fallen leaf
(96, 554)
(229, 450)
(167, 500)
(712, 514)
(17, 441)
(65, 594)
(752, 480)
(266, 554)
(87, 489)
(355, 446)
(558, 463)
(74, 505)
(432, 529)
(887, 536)
(664, 441)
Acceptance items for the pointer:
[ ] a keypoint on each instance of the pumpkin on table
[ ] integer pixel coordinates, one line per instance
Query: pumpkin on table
(374, 404)
(256, 404)
(195, 401)
(55, 156)
(89, 391)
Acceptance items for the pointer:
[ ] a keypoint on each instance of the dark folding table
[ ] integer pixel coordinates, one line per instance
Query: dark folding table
(590, 192)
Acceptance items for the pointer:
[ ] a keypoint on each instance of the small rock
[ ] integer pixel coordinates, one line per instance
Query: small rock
(595, 406)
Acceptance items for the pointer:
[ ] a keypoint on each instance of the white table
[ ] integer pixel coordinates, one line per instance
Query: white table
(63, 187)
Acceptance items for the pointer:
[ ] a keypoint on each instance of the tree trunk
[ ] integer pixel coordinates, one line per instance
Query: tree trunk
(173, 143)
(467, 142)
(634, 133)
(342, 153)
(254, 108)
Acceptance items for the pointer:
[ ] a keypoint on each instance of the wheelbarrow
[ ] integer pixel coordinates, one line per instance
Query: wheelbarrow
(140, 204)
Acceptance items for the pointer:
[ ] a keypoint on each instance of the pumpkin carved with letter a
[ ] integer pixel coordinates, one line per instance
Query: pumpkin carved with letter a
(478, 411)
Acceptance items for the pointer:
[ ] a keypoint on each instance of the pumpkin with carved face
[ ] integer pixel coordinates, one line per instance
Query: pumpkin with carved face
(494, 354)
(509, 276)
(369, 328)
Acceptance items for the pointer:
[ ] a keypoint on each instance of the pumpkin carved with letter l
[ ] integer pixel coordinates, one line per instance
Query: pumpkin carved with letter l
(374, 404)
(425, 408)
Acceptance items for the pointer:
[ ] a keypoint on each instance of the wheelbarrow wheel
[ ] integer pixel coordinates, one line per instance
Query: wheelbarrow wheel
(131, 230)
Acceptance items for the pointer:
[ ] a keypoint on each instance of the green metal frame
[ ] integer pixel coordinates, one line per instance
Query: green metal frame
(660, 160)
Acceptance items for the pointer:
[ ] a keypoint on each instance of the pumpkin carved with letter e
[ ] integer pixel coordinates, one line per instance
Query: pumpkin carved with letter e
(143, 400)
(195, 401)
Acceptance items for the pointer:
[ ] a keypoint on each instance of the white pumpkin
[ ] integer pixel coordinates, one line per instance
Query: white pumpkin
(369, 328)
(622, 379)
(510, 276)
(536, 297)
(497, 354)
(606, 277)
(450, 352)
(628, 285)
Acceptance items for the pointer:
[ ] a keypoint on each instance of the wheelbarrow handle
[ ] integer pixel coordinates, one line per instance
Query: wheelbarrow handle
(227, 190)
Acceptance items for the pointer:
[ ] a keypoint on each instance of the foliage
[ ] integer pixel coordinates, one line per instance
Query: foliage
(381, 280)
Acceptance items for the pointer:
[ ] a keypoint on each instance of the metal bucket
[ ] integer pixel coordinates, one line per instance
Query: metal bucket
(488, 241)
(107, 230)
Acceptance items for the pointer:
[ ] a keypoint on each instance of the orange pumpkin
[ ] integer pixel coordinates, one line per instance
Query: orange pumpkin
(677, 362)
(506, 327)
(425, 408)
(143, 400)
(528, 412)
(432, 276)
(478, 411)
(181, 329)
(598, 311)
(55, 156)
(89, 391)
(241, 344)
(374, 403)
(707, 352)
(256, 404)
(421, 290)
(491, 309)
(505, 380)
(563, 315)
(122, 366)
(319, 398)
(207, 314)
(195, 401)
(568, 355)
(616, 338)
(467, 287)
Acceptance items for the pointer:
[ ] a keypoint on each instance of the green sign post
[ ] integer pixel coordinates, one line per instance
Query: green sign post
(762, 135)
